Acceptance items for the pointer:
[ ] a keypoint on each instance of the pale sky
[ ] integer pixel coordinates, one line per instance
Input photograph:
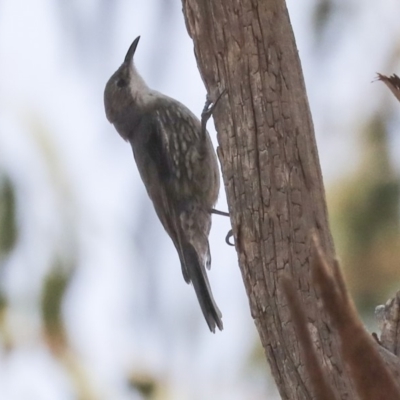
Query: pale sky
(79, 195)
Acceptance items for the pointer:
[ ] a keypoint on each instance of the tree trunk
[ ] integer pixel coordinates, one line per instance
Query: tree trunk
(271, 173)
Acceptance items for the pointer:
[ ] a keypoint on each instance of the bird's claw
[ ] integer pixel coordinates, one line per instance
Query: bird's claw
(230, 233)
(228, 236)
(209, 108)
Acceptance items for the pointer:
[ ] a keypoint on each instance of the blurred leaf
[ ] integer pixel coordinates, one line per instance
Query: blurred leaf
(148, 386)
(54, 289)
(329, 19)
(365, 220)
(3, 305)
(322, 14)
(144, 384)
(4, 336)
(8, 226)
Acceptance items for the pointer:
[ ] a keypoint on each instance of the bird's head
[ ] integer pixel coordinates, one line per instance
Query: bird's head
(121, 88)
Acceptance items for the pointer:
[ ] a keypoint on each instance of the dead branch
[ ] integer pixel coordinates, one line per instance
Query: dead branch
(322, 389)
(392, 82)
(372, 378)
(388, 316)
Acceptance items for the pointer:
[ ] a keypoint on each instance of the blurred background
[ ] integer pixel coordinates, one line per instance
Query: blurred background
(92, 301)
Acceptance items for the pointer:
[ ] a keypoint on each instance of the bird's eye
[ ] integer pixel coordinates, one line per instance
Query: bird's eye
(121, 83)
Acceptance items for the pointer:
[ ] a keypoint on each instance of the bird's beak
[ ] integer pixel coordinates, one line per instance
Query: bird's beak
(131, 51)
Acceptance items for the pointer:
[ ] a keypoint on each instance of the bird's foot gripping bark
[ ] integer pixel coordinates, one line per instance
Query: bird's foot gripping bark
(227, 237)
(230, 233)
(208, 109)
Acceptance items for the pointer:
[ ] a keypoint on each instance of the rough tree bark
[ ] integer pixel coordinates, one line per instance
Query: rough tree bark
(272, 175)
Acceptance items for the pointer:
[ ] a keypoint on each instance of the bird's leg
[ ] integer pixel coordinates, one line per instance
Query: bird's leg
(208, 109)
(217, 212)
(230, 233)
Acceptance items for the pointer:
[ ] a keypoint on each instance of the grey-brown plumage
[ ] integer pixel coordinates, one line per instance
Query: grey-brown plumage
(178, 166)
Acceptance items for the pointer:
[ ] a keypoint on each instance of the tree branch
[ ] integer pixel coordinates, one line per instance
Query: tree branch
(322, 389)
(392, 82)
(272, 177)
(271, 172)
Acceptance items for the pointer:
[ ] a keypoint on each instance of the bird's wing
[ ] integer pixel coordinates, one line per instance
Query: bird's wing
(179, 148)
(159, 156)
(154, 148)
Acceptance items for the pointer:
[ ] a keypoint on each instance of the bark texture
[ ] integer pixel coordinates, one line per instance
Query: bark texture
(272, 176)
(388, 316)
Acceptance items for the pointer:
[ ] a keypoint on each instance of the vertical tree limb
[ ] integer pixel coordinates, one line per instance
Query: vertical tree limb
(271, 173)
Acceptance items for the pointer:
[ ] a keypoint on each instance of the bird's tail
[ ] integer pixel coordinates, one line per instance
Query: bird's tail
(197, 275)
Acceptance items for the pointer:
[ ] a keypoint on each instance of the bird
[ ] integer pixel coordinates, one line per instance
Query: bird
(178, 166)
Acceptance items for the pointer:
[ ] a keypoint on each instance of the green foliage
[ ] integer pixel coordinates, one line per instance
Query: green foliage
(54, 289)
(144, 384)
(8, 226)
(365, 219)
